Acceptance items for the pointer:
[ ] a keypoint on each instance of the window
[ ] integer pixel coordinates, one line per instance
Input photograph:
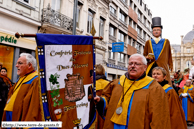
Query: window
(121, 57)
(188, 50)
(124, 1)
(144, 35)
(27, 1)
(112, 31)
(138, 30)
(142, 4)
(121, 36)
(130, 21)
(111, 54)
(122, 16)
(130, 3)
(101, 27)
(144, 20)
(99, 58)
(90, 20)
(6, 58)
(135, 7)
(188, 64)
(128, 56)
(134, 25)
(148, 25)
(138, 46)
(129, 40)
(78, 15)
(112, 10)
(56, 5)
(133, 44)
(139, 15)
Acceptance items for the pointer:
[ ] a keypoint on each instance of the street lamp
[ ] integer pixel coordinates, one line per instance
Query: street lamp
(74, 17)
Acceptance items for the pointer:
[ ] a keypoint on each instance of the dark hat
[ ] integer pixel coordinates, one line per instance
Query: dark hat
(156, 22)
(91, 72)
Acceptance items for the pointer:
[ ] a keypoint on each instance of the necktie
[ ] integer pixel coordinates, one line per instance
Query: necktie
(157, 40)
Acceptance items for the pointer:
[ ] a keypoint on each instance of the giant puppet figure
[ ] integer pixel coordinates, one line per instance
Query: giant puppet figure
(157, 50)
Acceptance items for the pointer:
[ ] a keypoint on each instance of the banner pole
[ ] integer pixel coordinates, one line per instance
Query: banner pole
(17, 35)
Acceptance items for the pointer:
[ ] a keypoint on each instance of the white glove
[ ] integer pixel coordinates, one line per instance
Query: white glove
(184, 94)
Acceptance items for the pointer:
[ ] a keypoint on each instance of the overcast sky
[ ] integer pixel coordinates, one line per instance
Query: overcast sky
(177, 17)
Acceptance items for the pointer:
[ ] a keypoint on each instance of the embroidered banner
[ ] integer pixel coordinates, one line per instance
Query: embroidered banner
(65, 62)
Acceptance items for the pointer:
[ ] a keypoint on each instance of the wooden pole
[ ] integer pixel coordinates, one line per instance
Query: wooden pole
(17, 35)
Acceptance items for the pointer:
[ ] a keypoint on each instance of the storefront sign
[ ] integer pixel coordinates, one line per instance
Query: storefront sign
(118, 47)
(116, 66)
(8, 39)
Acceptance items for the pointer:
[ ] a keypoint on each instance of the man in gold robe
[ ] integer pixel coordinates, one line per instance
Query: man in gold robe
(24, 103)
(134, 101)
(186, 95)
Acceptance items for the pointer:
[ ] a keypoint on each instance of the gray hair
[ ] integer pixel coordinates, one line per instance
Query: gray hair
(160, 68)
(144, 61)
(29, 59)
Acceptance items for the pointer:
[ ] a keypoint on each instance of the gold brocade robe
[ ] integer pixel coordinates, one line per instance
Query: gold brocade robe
(177, 117)
(187, 102)
(28, 104)
(149, 106)
(164, 60)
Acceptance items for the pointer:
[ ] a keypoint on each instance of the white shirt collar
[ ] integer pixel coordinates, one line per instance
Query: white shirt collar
(158, 37)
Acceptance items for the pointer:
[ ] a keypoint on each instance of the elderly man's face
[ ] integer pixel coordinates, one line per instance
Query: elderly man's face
(188, 83)
(136, 67)
(22, 66)
(157, 31)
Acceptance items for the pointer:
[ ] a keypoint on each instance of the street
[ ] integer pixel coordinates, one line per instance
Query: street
(190, 127)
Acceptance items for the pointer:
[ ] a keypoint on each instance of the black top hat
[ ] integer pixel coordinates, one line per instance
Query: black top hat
(156, 22)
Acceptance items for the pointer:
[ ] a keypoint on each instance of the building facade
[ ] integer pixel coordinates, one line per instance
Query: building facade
(130, 22)
(127, 21)
(57, 18)
(183, 54)
(21, 16)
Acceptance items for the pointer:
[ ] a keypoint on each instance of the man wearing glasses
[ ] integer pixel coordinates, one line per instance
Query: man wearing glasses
(157, 51)
(135, 101)
(23, 103)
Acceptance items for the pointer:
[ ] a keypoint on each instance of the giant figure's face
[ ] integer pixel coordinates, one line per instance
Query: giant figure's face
(156, 31)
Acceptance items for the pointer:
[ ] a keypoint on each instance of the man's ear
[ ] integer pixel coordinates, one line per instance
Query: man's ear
(145, 67)
(164, 77)
(29, 65)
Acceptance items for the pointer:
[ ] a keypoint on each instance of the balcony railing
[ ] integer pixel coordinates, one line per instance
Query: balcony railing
(138, 51)
(121, 64)
(55, 18)
(111, 61)
(113, 14)
(112, 38)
